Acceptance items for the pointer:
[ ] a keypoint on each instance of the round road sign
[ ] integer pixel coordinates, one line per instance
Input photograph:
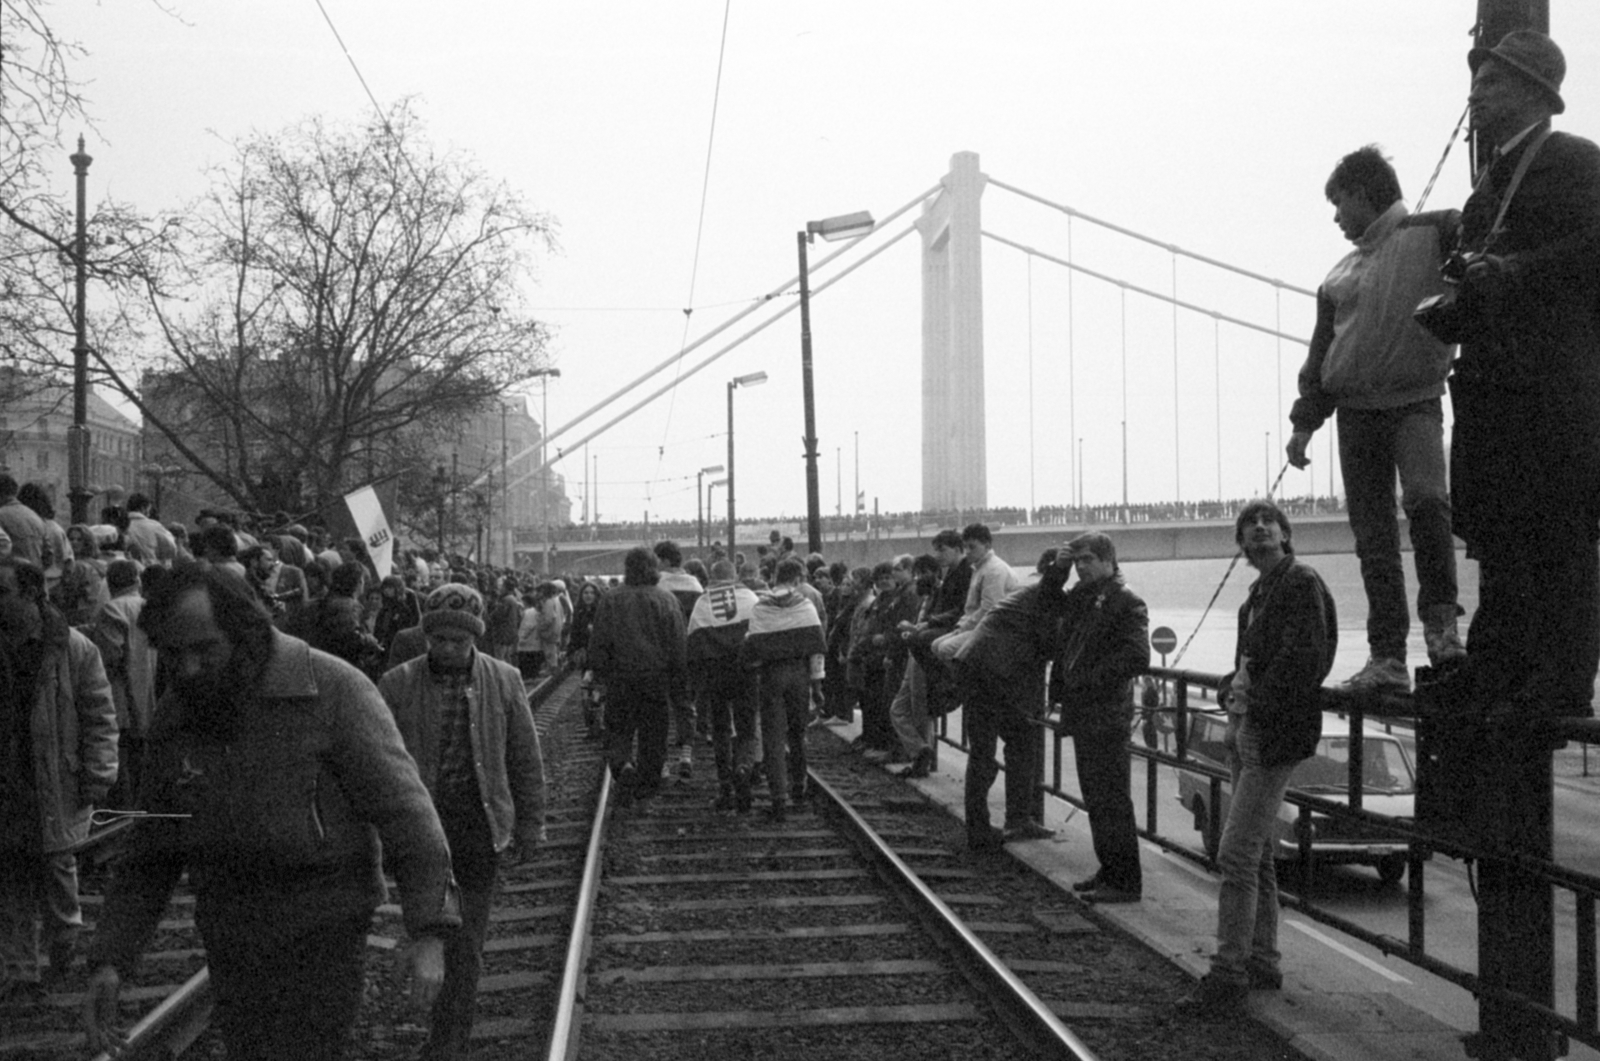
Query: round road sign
(1163, 640)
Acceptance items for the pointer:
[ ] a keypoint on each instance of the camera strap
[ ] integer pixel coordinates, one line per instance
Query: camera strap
(1511, 189)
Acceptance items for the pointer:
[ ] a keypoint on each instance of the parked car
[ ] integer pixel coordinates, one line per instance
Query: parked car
(1389, 785)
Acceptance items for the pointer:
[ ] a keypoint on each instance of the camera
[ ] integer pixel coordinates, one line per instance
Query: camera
(1450, 317)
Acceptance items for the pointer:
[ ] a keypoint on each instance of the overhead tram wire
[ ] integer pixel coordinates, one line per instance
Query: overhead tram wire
(700, 225)
(730, 322)
(790, 308)
(376, 106)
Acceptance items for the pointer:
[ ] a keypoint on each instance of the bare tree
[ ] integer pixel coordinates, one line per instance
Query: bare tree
(337, 292)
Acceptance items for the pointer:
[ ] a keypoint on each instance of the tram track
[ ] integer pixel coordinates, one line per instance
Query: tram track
(859, 926)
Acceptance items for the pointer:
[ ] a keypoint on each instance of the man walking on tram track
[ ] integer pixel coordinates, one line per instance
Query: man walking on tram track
(686, 590)
(1106, 644)
(58, 757)
(725, 686)
(277, 770)
(785, 641)
(1382, 374)
(637, 650)
(465, 719)
(1288, 631)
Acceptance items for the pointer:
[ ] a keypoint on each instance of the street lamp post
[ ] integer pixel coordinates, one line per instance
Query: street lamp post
(699, 513)
(78, 491)
(844, 226)
(711, 490)
(545, 375)
(754, 379)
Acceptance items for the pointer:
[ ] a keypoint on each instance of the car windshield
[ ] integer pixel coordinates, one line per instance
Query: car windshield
(1385, 769)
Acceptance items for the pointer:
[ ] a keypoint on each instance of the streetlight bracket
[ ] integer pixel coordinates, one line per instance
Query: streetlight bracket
(844, 226)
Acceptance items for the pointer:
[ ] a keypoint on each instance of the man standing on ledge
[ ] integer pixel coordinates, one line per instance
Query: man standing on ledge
(1525, 452)
(1106, 644)
(1288, 631)
(1384, 374)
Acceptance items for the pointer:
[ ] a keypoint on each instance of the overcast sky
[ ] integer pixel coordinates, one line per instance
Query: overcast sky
(1211, 126)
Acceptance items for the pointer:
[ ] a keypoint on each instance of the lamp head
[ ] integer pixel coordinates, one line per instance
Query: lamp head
(844, 226)
(752, 380)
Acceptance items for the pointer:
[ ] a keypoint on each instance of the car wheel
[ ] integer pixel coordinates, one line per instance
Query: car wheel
(1391, 868)
(1210, 839)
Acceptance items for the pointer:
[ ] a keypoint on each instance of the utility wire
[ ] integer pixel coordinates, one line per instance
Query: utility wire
(700, 226)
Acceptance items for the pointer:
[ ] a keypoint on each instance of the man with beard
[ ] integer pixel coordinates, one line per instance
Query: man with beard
(280, 769)
(1288, 631)
(465, 719)
(58, 756)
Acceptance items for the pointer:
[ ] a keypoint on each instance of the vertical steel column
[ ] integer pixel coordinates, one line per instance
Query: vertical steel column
(78, 436)
(813, 492)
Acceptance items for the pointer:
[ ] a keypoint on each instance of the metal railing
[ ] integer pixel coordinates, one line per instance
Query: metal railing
(1582, 1024)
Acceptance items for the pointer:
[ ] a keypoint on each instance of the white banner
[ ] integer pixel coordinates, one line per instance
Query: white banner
(367, 512)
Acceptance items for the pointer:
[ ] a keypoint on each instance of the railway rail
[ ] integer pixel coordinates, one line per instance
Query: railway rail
(859, 926)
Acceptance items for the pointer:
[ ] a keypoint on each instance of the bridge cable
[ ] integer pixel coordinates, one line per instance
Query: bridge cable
(1448, 144)
(1225, 576)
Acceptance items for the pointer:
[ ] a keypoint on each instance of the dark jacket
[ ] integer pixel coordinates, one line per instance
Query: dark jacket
(1288, 630)
(950, 599)
(1019, 635)
(639, 631)
(286, 816)
(1526, 396)
(1105, 644)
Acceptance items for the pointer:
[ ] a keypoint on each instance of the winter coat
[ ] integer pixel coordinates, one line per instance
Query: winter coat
(505, 747)
(1105, 644)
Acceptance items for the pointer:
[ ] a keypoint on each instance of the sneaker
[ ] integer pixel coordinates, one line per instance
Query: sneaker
(1088, 884)
(1214, 999)
(1380, 675)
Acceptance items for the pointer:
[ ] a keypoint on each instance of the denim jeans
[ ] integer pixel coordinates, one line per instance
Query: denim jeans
(475, 865)
(908, 712)
(785, 710)
(1374, 444)
(1247, 908)
(728, 696)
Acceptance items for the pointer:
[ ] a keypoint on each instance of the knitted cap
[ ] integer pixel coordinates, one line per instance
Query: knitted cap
(453, 606)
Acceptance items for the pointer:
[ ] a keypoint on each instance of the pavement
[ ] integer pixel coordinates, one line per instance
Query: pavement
(1341, 1000)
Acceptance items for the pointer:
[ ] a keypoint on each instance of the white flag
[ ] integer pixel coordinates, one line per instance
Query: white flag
(367, 512)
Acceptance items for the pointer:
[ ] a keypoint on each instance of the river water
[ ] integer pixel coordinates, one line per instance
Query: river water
(1177, 591)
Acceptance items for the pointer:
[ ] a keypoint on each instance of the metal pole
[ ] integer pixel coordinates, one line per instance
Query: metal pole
(838, 482)
(544, 459)
(78, 445)
(505, 493)
(699, 513)
(813, 498)
(857, 510)
(730, 471)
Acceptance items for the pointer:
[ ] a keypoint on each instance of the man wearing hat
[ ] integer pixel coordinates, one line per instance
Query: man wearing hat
(464, 717)
(1525, 456)
(1105, 645)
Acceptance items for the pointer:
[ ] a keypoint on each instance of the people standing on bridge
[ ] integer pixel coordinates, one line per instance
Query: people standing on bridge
(724, 686)
(464, 718)
(908, 709)
(785, 641)
(1525, 452)
(1001, 669)
(282, 771)
(58, 757)
(685, 589)
(1288, 631)
(1105, 631)
(1382, 374)
(636, 649)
